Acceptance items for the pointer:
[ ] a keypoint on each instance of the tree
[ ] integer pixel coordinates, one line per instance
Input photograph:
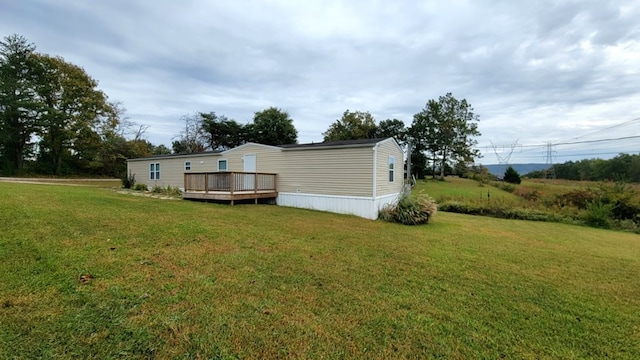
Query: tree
(392, 128)
(74, 110)
(418, 164)
(511, 176)
(480, 173)
(273, 126)
(446, 129)
(222, 133)
(19, 106)
(461, 168)
(160, 150)
(352, 126)
(193, 138)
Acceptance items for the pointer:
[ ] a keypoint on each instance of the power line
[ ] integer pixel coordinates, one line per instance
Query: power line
(581, 142)
(521, 158)
(600, 140)
(607, 128)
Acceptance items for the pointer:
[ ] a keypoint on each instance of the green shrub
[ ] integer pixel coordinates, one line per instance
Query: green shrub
(579, 198)
(598, 214)
(623, 198)
(626, 225)
(171, 190)
(140, 187)
(128, 181)
(511, 176)
(409, 210)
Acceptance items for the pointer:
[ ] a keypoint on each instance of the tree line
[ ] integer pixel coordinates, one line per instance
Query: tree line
(55, 121)
(441, 137)
(209, 131)
(624, 167)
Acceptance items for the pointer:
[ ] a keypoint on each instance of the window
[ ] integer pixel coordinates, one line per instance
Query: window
(187, 166)
(222, 165)
(392, 163)
(154, 171)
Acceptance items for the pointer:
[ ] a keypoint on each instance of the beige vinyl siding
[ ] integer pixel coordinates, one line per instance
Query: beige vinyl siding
(340, 171)
(171, 168)
(268, 159)
(343, 171)
(388, 148)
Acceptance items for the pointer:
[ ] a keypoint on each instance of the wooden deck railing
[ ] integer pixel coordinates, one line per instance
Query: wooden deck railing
(230, 182)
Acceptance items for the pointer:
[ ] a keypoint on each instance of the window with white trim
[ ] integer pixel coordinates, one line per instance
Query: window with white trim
(187, 166)
(222, 165)
(154, 171)
(392, 164)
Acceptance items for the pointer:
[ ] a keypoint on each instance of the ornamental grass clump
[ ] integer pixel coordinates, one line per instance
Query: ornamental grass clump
(409, 210)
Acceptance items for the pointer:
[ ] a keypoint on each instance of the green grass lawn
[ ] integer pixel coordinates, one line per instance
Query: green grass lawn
(91, 273)
(104, 183)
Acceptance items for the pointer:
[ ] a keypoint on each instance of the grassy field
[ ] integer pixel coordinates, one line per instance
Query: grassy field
(92, 273)
(455, 187)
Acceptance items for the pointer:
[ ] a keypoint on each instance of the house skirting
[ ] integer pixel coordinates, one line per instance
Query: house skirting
(366, 207)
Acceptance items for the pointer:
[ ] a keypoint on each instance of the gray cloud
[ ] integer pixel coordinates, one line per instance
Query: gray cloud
(535, 71)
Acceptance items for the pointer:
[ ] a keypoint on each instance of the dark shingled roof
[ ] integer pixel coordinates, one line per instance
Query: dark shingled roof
(338, 143)
(210, 152)
(334, 143)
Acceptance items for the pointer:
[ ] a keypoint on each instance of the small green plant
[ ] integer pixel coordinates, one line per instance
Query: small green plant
(169, 190)
(140, 187)
(410, 210)
(129, 181)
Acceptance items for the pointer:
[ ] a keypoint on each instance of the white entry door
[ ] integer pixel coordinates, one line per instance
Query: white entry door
(249, 166)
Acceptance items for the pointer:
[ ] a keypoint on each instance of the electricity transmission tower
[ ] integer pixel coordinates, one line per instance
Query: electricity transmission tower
(550, 172)
(503, 152)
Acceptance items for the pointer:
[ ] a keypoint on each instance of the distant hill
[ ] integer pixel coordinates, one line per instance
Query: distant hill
(522, 169)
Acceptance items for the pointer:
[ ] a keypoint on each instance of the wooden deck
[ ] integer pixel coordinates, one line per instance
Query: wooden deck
(230, 186)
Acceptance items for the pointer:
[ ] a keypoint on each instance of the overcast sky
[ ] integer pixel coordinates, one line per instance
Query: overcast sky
(535, 71)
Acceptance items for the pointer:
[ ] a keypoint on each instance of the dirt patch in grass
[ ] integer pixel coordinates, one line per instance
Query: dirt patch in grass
(148, 194)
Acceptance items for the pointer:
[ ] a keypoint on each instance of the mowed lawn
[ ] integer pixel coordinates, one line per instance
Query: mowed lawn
(92, 273)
